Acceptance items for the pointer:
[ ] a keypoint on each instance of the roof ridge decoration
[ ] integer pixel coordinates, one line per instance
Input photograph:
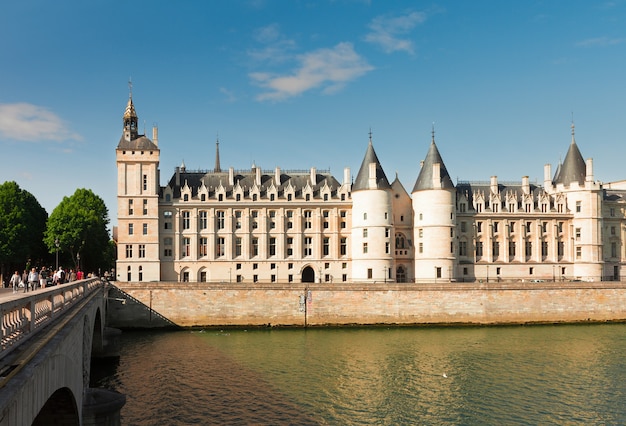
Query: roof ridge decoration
(362, 178)
(425, 178)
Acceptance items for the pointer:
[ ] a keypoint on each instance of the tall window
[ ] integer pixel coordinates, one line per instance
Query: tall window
(364, 232)
(220, 220)
(255, 223)
(167, 220)
(238, 219)
(145, 182)
(255, 247)
(544, 249)
(479, 249)
(326, 246)
(203, 246)
(238, 246)
(130, 207)
(462, 248)
(343, 246)
(219, 247)
(186, 220)
(289, 246)
(529, 248)
(186, 248)
(145, 229)
(142, 250)
(307, 219)
(167, 243)
(145, 207)
(203, 219)
(129, 251)
(365, 248)
(308, 246)
(130, 229)
(272, 246)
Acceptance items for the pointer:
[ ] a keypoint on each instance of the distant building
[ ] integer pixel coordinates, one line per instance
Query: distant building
(306, 226)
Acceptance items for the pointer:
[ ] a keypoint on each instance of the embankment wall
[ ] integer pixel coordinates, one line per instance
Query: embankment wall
(148, 305)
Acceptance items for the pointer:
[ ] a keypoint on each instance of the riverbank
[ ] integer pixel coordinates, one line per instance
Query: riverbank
(174, 304)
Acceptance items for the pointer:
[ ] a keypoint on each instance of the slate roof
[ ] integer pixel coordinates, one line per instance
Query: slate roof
(425, 178)
(573, 168)
(362, 178)
(468, 189)
(246, 179)
(138, 144)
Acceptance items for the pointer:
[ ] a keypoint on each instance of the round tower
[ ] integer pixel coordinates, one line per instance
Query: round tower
(434, 219)
(372, 232)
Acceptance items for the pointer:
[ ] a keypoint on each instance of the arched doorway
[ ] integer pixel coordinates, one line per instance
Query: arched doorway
(401, 274)
(308, 275)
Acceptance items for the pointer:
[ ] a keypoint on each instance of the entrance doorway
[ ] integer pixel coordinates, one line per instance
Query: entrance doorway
(308, 275)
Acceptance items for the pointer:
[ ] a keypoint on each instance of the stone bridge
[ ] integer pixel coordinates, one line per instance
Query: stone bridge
(49, 337)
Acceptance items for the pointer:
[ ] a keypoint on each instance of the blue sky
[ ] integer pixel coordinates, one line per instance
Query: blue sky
(299, 84)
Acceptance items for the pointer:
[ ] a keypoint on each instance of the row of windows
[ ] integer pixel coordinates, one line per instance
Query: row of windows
(141, 251)
(221, 247)
(131, 229)
(514, 207)
(289, 196)
(237, 218)
(512, 226)
(131, 207)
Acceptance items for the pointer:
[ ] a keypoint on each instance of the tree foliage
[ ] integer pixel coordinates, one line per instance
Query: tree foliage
(22, 226)
(79, 224)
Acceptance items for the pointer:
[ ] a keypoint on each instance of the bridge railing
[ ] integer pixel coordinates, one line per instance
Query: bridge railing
(25, 315)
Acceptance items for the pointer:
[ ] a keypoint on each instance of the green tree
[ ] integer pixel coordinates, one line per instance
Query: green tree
(22, 225)
(79, 224)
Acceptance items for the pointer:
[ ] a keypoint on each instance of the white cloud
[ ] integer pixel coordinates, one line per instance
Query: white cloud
(276, 47)
(32, 123)
(600, 41)
(329, 69)
(386, 31)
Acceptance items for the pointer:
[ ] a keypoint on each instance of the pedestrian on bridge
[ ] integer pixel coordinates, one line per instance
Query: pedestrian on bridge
(33, 279)
(43, 277)
(15, 281)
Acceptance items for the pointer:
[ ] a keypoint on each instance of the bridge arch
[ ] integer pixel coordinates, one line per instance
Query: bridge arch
(59, 409)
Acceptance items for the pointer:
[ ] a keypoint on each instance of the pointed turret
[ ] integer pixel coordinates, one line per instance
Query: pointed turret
(574, 168)
(433, 163)
(217, 168)
(371, 174)
(131, 139)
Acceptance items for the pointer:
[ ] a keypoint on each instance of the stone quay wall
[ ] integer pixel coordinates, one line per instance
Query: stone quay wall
(175, 304)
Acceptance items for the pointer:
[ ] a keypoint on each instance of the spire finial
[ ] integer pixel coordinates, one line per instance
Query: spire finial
(573, 127)
(218, 168)
(433, 132)
(370, 134)
(130, 87)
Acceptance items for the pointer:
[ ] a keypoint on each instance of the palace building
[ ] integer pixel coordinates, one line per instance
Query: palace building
(292, 226)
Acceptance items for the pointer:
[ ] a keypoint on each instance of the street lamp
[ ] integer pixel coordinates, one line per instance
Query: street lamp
(56, 243)
(78, 260)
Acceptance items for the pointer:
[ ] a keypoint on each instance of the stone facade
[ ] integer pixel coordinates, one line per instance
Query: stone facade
(290, 226)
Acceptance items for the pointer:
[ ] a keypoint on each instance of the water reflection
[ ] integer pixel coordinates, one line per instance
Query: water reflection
(505, 375)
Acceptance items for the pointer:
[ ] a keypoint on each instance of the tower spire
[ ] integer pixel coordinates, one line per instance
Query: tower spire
(218, 168)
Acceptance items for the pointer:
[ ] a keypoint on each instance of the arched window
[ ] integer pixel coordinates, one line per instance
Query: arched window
(400, 241)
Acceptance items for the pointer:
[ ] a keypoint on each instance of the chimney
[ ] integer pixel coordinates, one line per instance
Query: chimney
(313, 176)
(277, 176)
(547, 172)
(231, 176)
(525, 185)
(346, 176)
(177, 174)
(494, 184)
(257, 172)
(589, 170)
(155, 135)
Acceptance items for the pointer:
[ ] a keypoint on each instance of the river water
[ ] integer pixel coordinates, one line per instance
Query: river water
(519, 375)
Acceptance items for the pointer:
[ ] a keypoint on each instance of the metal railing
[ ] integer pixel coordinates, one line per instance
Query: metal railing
(23, 316)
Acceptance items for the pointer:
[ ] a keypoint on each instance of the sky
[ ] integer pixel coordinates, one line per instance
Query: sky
(300, 84)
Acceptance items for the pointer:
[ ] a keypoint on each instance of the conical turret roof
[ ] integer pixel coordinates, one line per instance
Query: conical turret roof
(425, 178)
(573, 168)
(362, 178)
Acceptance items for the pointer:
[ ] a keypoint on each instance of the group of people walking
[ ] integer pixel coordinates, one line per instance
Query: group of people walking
(39, 278)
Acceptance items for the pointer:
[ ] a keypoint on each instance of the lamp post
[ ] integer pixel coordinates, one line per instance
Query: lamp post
(229, 275)
(56, 243)
(78, 260)
(385, 276)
